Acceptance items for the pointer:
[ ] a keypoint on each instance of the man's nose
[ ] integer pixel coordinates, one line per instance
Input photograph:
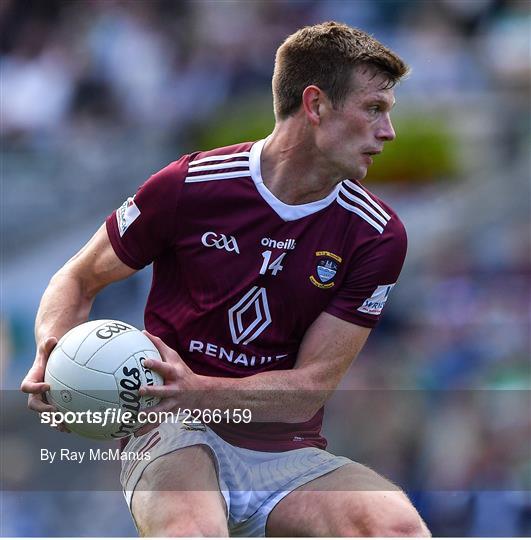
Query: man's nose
(385, 130)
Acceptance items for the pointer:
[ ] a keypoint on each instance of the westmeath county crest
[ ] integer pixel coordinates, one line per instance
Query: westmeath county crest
(326, 269)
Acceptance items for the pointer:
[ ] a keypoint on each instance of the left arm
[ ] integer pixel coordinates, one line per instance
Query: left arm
(295, 395)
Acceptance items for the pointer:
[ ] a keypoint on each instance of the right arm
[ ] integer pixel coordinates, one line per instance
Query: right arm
(66, 303)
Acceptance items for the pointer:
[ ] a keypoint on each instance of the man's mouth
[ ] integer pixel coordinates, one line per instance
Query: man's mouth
(371, 153)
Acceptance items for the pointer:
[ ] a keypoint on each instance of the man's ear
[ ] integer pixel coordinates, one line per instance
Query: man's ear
(312, 103)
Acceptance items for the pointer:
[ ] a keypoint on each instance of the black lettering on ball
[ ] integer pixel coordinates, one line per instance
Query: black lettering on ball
(110, 329)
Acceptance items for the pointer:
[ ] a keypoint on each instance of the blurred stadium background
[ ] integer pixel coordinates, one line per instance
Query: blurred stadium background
(98, 94)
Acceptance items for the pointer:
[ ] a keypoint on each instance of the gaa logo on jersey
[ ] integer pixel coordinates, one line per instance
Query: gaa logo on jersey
(326, 269)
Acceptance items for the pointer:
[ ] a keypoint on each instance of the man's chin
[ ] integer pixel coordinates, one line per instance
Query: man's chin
(359, 173)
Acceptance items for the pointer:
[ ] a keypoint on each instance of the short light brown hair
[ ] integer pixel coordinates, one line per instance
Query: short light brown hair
(325, 55)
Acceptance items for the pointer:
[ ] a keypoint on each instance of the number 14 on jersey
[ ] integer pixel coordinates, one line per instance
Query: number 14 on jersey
(275, 266)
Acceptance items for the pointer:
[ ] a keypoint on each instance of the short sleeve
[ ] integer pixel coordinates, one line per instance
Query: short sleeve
(147, 224)
(371, 275)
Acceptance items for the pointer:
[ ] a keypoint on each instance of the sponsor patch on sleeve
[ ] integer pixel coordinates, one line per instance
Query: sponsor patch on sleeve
(126, 214)
(375, 304)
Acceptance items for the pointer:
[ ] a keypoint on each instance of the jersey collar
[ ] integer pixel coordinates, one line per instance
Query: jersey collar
(288, 212)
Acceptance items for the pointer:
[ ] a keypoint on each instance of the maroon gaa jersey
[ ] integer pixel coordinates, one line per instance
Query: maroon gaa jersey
(239, 276)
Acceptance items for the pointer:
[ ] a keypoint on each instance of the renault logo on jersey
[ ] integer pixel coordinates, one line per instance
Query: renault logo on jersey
(220, 241)
(326, 269)
(249, 317)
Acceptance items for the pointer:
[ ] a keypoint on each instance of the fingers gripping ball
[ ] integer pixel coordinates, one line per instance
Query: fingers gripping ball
(96, 367)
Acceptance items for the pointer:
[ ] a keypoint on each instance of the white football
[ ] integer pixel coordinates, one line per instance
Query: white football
(99, 365)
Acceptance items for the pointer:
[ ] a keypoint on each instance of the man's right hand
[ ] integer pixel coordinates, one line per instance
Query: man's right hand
(33, 383)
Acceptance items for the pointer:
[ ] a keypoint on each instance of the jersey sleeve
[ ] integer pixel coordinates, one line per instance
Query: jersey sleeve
(147, 224)
(371, 275)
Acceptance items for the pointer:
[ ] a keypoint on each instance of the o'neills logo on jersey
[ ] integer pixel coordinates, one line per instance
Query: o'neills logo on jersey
(232, 356)
(288, 243)
(326, 269)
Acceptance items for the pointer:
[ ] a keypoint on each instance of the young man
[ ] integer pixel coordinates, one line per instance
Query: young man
(269, 270)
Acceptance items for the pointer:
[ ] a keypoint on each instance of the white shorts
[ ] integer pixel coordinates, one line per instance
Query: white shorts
(252, 483)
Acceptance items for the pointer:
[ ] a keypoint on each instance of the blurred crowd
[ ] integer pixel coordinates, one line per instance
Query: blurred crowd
(98, 94)
(165, 64)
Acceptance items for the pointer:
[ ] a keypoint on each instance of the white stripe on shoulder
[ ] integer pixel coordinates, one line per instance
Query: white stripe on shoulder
(360, 213)
(362, 192)
(217, 176)
(215, 166)
(361, 202)
(220, 158)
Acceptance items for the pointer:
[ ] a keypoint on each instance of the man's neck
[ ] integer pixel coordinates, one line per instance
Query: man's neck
(292, 168)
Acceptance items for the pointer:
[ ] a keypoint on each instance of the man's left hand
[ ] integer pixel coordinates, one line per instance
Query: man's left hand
(181, 385)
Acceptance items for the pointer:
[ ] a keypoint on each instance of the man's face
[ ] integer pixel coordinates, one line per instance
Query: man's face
(349, 135)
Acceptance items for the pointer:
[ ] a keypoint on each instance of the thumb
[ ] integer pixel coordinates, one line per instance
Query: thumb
(46, 347)
(159, 344)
